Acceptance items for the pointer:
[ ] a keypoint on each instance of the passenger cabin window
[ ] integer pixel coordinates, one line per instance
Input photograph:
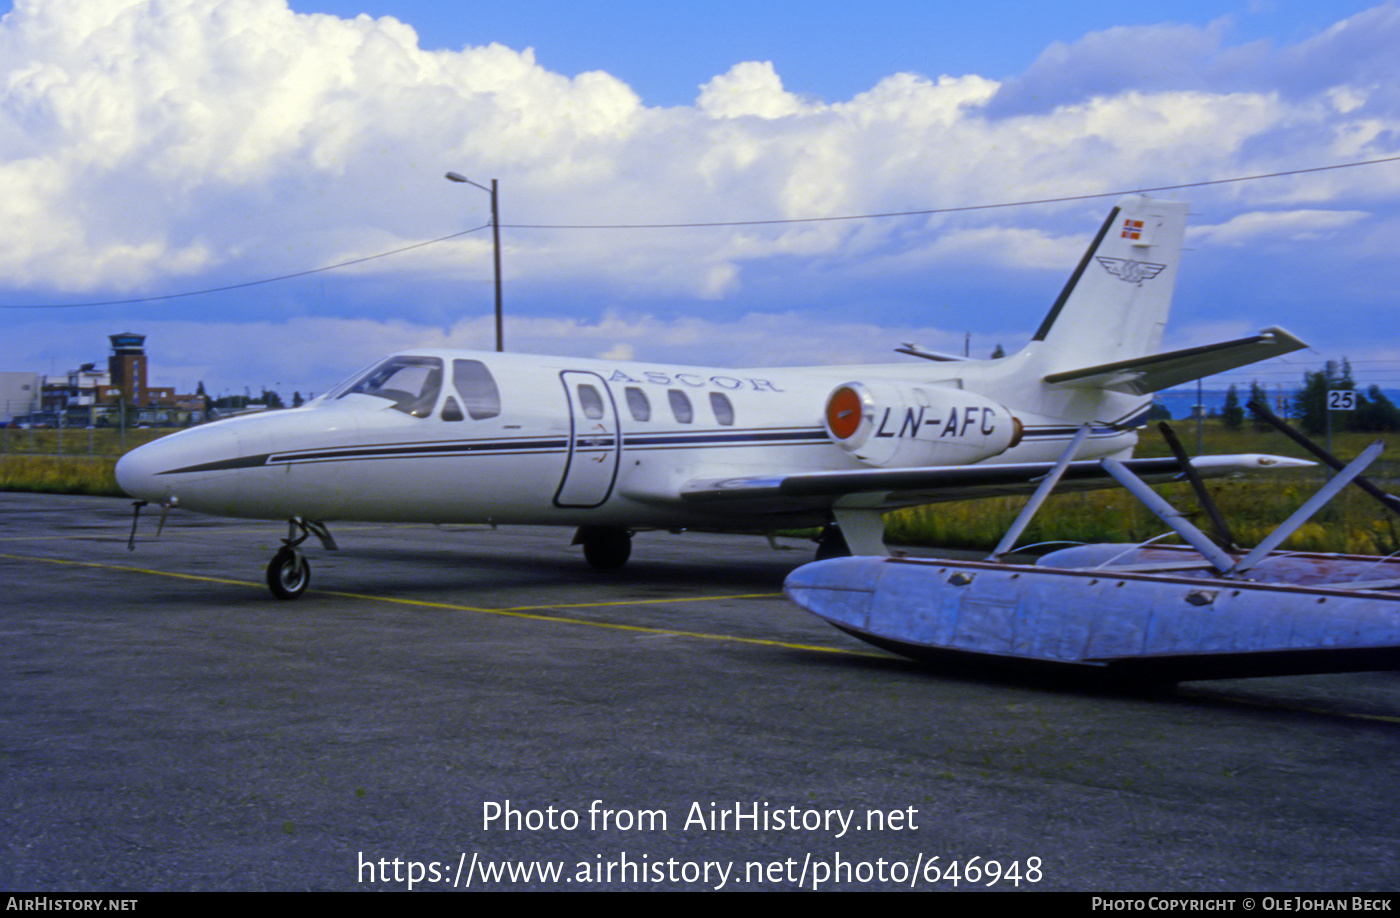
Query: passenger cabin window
(638, 404)
(412, 384)
(723, 409)
(590, 401)
(680, 406)
(477, 387)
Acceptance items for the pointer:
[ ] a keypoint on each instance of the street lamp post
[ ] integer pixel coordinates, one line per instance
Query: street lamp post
(496, 241)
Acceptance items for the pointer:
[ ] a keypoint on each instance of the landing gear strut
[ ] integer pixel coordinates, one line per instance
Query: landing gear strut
(289, 573)
(604, 547)
(831, 543)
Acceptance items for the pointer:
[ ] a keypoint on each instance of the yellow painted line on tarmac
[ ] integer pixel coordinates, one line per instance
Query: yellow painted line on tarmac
(535, 613)
(129, 569)
(639, 602)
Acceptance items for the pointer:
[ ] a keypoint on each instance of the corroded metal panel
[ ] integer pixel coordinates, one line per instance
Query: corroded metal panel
(1103, 616)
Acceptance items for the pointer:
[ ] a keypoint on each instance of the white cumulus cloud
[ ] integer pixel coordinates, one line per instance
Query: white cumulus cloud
(158, 146)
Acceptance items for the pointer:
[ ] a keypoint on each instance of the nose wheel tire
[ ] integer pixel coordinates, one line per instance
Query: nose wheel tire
(288, 574)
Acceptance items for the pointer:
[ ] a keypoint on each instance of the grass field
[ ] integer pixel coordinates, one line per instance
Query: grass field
(66, 461)
(101, 441)
(82, 462)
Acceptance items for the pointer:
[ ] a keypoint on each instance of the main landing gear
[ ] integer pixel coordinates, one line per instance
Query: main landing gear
(289, 573)
(831, 543)
(605, 547)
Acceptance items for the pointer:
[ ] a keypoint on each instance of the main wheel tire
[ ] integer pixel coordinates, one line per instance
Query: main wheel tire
(606, 548)
(288, 574)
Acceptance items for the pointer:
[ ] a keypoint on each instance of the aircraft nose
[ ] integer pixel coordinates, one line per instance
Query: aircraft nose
(160, 470)
(137, 473)
(190, 468)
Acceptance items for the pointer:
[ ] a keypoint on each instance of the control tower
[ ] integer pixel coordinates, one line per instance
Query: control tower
(127, 366)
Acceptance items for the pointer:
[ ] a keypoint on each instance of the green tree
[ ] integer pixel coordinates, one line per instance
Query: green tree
(1310, 404)
(1233, 415)
(1374, 413)
(1258, 395)
(1158, 412)
(232, 401)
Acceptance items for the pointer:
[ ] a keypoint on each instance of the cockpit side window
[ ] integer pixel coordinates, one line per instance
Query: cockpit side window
(477, 387)
(411, 383)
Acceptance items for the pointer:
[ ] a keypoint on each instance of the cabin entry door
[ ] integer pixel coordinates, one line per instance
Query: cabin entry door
(595, 442)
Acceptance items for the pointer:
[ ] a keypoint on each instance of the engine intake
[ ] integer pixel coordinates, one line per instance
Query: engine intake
(889, 426)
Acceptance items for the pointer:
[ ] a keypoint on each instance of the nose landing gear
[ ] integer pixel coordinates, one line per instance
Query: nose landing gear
(289, 573)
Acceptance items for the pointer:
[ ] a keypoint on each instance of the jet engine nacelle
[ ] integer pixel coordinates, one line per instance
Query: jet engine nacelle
(890, 426)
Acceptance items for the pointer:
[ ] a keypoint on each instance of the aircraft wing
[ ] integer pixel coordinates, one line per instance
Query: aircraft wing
(1142, 375)
(936, 484)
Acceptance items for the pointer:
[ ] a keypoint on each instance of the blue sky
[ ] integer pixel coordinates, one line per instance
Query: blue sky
(154, 148)
(832, 50)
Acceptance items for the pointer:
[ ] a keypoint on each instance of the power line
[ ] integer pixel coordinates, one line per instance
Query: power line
(240, 286)
(712, 224)
(954, 210)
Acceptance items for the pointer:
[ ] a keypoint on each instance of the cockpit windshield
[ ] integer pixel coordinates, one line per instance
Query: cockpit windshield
(411, 383)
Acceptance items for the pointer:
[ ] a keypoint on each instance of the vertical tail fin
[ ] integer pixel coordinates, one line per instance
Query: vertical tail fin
(1115, 305)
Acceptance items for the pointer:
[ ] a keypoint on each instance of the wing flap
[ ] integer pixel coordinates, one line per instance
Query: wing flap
(936, 484)
(1142, 375)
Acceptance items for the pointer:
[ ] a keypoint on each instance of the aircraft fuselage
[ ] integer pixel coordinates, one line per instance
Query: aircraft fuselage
(509, 438)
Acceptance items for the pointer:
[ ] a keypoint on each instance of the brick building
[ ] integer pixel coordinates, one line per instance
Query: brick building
(91, 396)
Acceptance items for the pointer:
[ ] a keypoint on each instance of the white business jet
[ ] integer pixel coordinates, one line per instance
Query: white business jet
(612, 447)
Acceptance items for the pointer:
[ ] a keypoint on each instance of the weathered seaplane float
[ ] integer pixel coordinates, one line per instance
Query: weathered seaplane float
(1143, 612)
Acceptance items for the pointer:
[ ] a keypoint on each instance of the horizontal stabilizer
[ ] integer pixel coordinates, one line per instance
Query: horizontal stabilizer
(1141, 375)
(935, 484)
